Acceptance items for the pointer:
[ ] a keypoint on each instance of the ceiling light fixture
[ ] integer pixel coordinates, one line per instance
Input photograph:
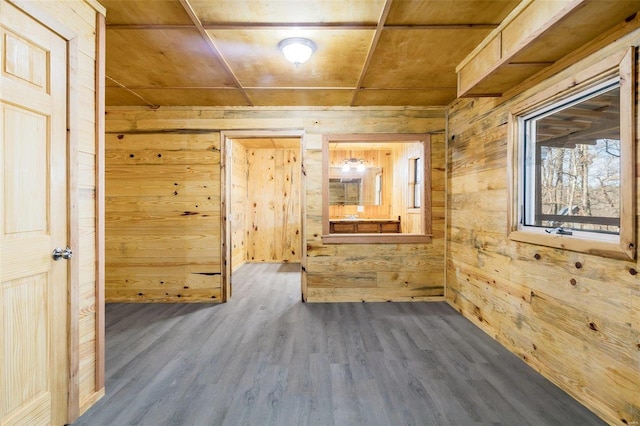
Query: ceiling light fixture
(297, 50)
(356, 163)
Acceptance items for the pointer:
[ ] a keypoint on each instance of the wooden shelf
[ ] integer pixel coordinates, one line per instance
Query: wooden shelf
(535, 35)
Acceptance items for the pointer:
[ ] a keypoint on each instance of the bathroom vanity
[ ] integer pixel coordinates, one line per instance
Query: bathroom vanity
(364, 226)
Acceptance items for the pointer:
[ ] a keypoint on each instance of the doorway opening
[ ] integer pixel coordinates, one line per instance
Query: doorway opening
(262, 201)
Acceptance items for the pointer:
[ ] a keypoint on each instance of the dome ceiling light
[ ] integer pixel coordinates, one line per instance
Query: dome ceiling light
(297, 50)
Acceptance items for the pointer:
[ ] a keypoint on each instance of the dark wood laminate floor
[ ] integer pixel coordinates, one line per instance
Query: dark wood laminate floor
(265, 358)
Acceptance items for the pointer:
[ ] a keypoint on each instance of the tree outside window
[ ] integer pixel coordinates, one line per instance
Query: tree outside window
(573, 163)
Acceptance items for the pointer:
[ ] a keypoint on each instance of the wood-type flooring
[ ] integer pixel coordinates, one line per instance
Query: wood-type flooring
(265, 358)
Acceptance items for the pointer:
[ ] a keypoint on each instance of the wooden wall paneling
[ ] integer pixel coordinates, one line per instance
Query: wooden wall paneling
(419, 267)
(279, 200)
(99, 204)
(289, 200)
(438, 186)
(316, 120)
(283, 204)
(569, 315)
(274, 205)
(388, 187)
(146, 280)
(411, 220)
(73, 110)
(163, 217)
(400, 174)
(374, 272)
(239, 205)
(313, 157)
(90, 61)
(226, 161)
(305, 142)
(260, 237)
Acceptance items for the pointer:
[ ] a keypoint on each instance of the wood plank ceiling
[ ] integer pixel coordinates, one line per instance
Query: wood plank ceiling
(225, 52)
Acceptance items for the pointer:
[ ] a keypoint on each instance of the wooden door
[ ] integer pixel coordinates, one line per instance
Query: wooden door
(33, 194)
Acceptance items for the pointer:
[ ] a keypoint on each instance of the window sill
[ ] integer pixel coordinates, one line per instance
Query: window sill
(376, 239)
(415, 210)
(615, 250)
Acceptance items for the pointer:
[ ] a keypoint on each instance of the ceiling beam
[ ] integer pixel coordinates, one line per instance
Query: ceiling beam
(150, 26)
(287, 25)
(339, 25)
(372, 48)
(305, 26)
(442, 27)
(196, 21)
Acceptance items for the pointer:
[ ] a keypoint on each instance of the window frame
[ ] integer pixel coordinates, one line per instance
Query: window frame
(425, 210)
(531, 199)
(621, 65)
(415, 183)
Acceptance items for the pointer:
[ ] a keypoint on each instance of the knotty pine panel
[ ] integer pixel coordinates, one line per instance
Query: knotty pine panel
(571, 316)
(174, 295)
(239, 205)
(163, 218)
(273, 218)
(352, 294)
(183, 277)
(313, 120)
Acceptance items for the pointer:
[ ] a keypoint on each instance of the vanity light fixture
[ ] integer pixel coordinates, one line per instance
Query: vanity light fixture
(297, 50)
(357, 163)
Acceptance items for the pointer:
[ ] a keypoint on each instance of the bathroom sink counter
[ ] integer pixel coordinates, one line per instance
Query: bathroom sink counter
(364, 226)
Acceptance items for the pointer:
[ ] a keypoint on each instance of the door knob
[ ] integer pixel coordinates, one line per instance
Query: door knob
(59, 253)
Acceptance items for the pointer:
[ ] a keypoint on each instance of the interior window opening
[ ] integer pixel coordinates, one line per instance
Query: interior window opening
(376, 188)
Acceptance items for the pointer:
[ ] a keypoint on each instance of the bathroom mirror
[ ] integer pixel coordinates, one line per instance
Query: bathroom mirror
(355, 188)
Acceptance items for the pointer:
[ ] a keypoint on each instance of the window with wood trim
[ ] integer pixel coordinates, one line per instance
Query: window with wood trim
(573, 161)
(369, 192)
(415, 183)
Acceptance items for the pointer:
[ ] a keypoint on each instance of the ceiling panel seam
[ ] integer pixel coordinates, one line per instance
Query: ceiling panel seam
(196, 21)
